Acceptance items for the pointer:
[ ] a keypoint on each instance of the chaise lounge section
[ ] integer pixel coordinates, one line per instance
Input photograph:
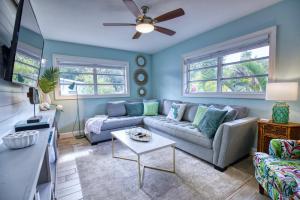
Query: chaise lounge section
(232, 141)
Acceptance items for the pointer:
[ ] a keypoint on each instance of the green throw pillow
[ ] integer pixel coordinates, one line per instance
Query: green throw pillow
(201, 110)
(151, 108)
(134, 109)
(211, 121)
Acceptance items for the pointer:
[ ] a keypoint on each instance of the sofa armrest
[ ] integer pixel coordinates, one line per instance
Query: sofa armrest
(234, 140)
(285, 149)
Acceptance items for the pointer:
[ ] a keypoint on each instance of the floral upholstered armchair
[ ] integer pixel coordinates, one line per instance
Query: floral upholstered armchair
(279, 173)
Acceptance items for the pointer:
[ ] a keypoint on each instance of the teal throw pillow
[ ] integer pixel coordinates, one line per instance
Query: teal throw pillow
(201, 110)
(135, 108)
(151, 108)
(211, 121)
(230, 115)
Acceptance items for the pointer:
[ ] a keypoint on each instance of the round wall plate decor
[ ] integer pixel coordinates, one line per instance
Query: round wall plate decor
(142, 91)
(140, 61)
(140, 77)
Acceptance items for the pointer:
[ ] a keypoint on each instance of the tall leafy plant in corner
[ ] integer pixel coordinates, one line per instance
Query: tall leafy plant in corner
(48, 82)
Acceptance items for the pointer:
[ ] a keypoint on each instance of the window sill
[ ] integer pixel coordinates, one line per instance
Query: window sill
(227, 95)
(90, 97)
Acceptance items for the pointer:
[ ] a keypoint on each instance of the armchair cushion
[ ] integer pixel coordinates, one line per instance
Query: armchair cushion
(285, 149)
(280, 178)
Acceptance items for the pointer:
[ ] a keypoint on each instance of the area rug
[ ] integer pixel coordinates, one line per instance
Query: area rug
(103, 177)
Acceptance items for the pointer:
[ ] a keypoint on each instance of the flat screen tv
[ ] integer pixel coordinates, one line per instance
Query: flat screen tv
(26, 49)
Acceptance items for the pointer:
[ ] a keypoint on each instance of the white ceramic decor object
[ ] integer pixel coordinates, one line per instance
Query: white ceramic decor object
(140, 134)
(21, 139)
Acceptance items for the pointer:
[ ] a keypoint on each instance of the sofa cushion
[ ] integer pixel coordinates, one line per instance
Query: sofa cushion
(242, 112)
(116, 109)
(134, 108)
(190, 111)
(231, 114)
(166, 106)
(176, 111)
(120, 122)
(211, 121)
(151, 108)
(183, 130)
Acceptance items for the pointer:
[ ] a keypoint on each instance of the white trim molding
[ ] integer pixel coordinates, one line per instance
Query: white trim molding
(268, 34)
(95, 62)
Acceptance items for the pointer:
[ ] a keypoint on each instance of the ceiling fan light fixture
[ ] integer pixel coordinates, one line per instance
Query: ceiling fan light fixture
(144, 27)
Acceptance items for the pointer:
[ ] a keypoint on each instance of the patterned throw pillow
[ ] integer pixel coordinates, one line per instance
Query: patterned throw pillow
(176, 112)
(231, 114)
(211, 121)
(151, 108)
(199, 115)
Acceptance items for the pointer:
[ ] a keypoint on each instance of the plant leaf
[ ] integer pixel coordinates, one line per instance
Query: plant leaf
(49, 79)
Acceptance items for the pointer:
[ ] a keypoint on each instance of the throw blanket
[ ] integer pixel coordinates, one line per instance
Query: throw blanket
(94, 124)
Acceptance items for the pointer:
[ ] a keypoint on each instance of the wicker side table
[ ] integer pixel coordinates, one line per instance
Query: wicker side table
(268, 130)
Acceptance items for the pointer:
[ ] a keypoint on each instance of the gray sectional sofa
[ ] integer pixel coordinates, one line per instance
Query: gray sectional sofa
(233, 140)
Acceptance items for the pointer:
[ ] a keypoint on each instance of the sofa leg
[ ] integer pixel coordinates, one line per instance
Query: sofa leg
(220, 168)
(261, 189)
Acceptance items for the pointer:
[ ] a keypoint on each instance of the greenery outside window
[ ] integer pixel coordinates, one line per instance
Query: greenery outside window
(94, 77)
(239, 68)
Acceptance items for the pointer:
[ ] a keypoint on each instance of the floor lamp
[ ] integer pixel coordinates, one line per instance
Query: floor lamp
(71, 87)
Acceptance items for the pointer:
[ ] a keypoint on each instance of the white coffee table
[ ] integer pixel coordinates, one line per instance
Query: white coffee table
(157, 142)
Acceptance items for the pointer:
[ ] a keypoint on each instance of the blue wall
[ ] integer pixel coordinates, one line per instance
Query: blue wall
(91, 107)
(167, 64)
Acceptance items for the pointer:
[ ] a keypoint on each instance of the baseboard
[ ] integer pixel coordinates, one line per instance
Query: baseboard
(65, 135)
(69, 134)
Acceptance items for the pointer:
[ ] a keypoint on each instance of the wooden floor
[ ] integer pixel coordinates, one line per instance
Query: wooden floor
(68, 184)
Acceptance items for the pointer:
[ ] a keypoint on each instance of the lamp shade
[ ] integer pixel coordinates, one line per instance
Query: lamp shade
(285, 91)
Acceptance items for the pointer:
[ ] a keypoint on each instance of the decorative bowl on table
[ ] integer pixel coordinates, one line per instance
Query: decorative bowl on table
(140, 134)
(21, 139)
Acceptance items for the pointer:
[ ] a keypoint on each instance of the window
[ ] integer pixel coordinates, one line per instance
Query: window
(92, 77)
(26, 68)
(27, 65)
(237, 68)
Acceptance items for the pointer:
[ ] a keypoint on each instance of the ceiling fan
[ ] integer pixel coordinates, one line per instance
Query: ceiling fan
(145, 24)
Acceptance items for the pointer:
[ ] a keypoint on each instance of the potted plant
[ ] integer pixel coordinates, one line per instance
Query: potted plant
(48, 82)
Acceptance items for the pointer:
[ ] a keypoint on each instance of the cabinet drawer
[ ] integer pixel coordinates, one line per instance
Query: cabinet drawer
(276, 130)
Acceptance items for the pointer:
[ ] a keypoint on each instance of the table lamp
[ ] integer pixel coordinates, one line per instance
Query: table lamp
(281, 92)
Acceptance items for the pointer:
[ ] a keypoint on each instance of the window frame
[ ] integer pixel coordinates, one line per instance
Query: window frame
(93, 63)
(233, 43)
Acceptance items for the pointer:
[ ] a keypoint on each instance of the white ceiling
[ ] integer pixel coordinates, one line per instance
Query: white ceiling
(80, 21)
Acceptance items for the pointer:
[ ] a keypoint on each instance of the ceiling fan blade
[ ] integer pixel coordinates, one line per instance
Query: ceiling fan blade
(164, 30)
(136, 35)
(170, 15)
(133, 7)
(118, 24)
